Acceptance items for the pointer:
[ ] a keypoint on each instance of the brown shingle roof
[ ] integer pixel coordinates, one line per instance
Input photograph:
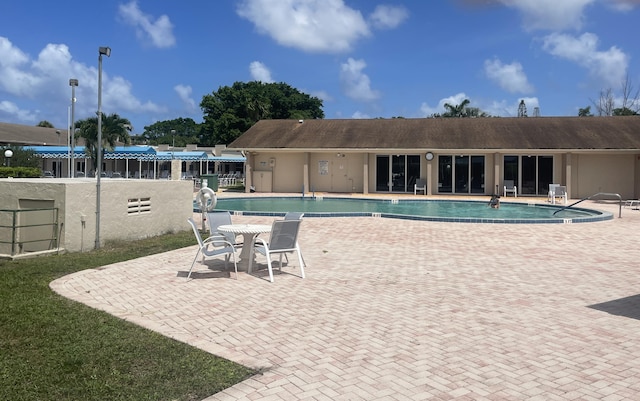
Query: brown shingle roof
(445, 133)
(15, 134)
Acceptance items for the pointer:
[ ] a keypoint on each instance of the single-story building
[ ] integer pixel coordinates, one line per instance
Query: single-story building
(456, 156)
(131, 161)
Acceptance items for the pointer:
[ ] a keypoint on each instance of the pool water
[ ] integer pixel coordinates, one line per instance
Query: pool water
(434, 210)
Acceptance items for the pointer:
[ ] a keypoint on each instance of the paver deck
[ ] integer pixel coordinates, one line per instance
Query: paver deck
(406, 310)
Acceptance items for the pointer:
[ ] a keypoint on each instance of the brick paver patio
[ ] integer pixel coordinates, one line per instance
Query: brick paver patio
(406, 310)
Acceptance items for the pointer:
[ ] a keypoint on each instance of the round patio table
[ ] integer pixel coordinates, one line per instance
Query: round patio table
(249, 232)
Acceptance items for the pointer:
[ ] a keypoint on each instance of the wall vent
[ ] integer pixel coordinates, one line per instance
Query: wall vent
(138, 206)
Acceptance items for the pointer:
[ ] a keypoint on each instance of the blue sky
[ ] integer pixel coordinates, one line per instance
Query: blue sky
(364, 58)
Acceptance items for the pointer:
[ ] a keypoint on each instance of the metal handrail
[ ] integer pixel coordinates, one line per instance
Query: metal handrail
(15, 244)
(592, 196)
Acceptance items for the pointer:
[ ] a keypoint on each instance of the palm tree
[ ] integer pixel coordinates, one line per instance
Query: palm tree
(457, 110)
(114, 129)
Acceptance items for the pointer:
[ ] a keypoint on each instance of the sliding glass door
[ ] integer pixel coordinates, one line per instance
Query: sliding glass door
(532, 174)
(461, 174)
(397, 173)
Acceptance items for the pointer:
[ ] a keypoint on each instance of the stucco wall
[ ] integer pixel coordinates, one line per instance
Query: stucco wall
(169, 203)
(336, 172)
(603, 173)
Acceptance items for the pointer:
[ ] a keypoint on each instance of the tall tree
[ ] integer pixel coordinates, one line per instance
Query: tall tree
(586, 112)
(45, 123)
(162, 132)
(230, 111)
(606, 105)
(455, 110)
(115, 129)
(461, 110)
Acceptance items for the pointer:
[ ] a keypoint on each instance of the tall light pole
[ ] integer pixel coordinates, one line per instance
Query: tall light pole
(72, 129)
(107, 52)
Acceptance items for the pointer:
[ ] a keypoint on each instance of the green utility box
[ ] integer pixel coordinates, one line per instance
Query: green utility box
(210, 180)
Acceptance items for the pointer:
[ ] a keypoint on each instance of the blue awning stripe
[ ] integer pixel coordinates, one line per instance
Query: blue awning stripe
(146, 153)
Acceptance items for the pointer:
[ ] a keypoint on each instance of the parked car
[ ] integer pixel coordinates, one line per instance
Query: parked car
(48, 174)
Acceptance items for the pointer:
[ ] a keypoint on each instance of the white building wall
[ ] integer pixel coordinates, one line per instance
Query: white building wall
(170, 203)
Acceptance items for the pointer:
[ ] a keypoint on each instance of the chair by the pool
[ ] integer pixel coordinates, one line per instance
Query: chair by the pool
(217, 219)
(294, 216)
(420, 185)
(510, 187)
(552, 191)
(631, 203)
(283, 239)
(560, 192)
(214, 245)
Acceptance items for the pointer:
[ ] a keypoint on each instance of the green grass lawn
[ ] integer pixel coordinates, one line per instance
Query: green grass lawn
(52, 348)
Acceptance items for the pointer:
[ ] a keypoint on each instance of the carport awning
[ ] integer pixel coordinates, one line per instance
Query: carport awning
(227, 159)
(181, 155)
(131, 152)
(119, 152)
(134, 152)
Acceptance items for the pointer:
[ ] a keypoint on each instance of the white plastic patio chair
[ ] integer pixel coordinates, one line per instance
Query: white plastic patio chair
(283, 239)
(420, 185)
(560, 192)
(510, 187)
(214, 245)
(551, 194)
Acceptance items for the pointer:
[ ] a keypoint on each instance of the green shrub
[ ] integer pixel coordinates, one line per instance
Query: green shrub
(20, 172)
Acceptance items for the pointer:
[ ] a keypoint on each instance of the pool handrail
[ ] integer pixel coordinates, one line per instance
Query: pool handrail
(592, 196)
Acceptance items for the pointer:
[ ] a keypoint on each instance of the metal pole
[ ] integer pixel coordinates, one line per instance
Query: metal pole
(107, 52)
(69, 141)
(72, 140)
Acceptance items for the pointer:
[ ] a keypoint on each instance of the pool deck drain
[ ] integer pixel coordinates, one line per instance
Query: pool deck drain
(406, 310)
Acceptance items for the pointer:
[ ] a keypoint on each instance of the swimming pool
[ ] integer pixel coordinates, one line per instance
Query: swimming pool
(463, 211)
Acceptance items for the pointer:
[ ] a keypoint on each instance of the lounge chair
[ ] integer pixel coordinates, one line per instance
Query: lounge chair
(631, 203)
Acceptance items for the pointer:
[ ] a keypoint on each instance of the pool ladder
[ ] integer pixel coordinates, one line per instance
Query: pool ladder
(593, 196)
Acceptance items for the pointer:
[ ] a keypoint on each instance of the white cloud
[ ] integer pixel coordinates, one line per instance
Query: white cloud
(360, 116)
(355, 83)
(13, 77)
(501, 108)
(322, 95)
(184, 93)
(388, 17)
(260, 72)
(552, 15)
(510, 77)
(46, 78)
(160, 31)
(610, 66)
(624, 5)
(12, 110)
(324, 26)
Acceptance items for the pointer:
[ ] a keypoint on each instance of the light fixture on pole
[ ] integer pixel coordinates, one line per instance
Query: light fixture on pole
(72, 128)
(107, 52)
(8, 154)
